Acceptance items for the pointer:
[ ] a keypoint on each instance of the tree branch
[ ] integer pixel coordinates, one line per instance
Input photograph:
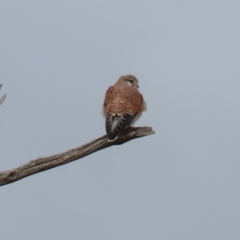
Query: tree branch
(3, 97)
(45, 163)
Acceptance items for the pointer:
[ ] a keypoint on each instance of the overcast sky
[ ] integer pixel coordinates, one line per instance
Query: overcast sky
(57, 59)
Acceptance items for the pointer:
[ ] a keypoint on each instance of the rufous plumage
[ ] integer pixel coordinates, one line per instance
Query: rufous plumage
(122, 106)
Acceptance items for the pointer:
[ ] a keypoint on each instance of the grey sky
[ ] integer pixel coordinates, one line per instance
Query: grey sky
(57, 60)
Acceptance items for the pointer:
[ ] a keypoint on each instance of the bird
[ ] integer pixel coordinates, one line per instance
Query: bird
(123, 105)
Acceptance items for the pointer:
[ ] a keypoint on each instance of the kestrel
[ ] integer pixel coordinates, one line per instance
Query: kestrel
(122, 106)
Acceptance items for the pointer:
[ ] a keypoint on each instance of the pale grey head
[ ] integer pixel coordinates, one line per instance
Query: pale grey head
(130, 80)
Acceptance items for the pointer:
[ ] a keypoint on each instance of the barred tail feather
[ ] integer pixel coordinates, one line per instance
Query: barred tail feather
(115, 124)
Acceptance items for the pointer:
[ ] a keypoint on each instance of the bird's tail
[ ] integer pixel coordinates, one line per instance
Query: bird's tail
(115, 124)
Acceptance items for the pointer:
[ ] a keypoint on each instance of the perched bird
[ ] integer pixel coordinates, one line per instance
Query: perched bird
(122, 106)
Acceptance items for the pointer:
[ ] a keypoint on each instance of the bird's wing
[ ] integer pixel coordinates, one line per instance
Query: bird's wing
(115, 125)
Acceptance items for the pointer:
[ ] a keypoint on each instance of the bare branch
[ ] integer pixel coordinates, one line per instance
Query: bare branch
(45, 163)
(3, 97)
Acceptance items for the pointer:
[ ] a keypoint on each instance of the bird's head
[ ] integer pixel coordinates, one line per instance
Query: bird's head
(130, 80)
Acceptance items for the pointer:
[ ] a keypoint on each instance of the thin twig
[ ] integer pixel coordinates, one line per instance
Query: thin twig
(45, 163)
(3, 97)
